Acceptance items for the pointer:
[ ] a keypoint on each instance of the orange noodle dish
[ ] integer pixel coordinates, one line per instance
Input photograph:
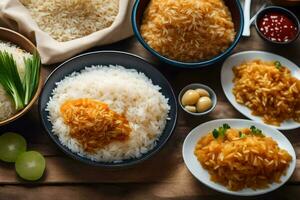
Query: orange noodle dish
(242, 158)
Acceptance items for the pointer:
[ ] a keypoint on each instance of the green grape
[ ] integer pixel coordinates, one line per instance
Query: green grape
(11, 146)
(30, 165)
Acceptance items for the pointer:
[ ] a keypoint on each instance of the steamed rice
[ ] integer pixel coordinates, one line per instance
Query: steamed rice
(126, 92)
(7, 106)
(188, 30)
(66, 20)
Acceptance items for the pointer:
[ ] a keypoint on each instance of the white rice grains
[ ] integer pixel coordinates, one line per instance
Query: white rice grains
(66, 20)
(126, 92)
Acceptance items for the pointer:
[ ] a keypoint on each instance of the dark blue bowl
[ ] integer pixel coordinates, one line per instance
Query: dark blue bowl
(109, 58)
(282, 10)
(237, 16)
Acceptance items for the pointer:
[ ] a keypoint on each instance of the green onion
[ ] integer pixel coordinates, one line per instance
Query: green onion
(221, 131)
(31, 78)
(20, 92)
(226, 126)
(10, 79)
(278, 64)
(242, 135)
(256, 131)
(215, 133)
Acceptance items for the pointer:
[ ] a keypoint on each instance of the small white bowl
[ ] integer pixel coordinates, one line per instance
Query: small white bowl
(202, 175)
(192, 86)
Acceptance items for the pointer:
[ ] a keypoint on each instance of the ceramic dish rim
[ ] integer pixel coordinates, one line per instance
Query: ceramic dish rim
(112, 165)
(223, 189)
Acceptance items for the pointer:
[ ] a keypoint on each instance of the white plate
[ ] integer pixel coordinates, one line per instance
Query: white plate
(202, 175)
(227, 84)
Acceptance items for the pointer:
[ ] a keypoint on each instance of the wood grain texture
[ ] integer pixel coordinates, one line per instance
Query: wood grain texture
(136, 191)
(164, 176)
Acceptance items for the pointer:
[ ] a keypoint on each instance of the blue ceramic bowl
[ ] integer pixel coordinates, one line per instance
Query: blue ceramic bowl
(126, 60)
(237, 16)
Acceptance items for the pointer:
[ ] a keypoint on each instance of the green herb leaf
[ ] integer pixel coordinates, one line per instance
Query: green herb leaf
(221, 131)
(215, 133)
(10, 79)
(31, 79)
(242, 135)
(226, 126)
(256, 131)
(20, 92)
(278, 64)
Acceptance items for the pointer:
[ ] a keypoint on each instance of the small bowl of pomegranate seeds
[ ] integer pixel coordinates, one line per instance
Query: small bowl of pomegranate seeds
(277, 25)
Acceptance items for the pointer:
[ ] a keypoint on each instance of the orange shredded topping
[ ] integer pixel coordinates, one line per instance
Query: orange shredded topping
(93, 124)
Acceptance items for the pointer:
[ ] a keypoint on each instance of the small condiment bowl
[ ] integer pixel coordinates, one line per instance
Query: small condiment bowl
(13, 37)
(194, 86)
(282, 10)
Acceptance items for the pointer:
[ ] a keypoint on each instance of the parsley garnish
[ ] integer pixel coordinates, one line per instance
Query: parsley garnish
(221, 131)
(256, 131)
(215, 133)
(226, 126)
(242, 135)
(278, 64)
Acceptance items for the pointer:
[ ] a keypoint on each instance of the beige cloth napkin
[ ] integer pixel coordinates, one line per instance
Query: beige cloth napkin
(15, 16)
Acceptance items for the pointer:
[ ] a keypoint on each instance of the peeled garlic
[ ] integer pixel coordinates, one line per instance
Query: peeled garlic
(191, 108)
(190, 97)
(203, 104)
(202, 92)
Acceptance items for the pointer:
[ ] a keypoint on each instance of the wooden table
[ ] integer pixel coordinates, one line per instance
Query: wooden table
(164, 176)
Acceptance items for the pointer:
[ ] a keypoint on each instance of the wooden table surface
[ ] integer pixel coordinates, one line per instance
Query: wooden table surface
(164, 176)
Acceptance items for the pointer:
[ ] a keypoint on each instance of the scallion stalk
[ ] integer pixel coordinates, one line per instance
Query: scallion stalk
(10, 79)
(20, 91)
(31, 78)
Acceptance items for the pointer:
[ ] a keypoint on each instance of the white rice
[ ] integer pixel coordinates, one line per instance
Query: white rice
(7, 106)
(126, 92)
(66, 20)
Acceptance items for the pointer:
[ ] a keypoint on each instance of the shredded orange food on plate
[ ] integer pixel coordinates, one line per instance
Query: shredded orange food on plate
(241, 158)
(93, 124)
(268, 89)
